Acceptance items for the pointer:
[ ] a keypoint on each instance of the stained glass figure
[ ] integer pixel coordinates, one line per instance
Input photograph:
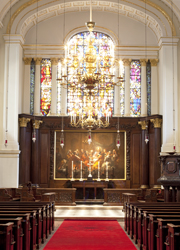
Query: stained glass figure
(135, 88)
(32, 85)
(59, 66)
(148, 75)
(46, 77)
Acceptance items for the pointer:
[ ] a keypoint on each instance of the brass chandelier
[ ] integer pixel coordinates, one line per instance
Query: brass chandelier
(89, 77)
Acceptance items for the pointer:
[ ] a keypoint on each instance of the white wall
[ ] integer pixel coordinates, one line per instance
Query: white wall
(131, 32)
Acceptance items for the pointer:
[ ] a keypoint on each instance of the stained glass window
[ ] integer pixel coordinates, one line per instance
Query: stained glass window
(135, 88)
(78, 44)
(59, 89)
(148, 75)
(45, 86)
(122, 92)
(32, 84)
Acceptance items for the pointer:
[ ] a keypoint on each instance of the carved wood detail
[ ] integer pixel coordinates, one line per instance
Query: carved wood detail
(52, 154)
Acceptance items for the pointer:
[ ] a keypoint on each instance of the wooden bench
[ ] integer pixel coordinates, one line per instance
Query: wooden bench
(173, 237)
(25, 226)
(162, 230)
(143, 222)
(6, 236)
(32, 217)
(40, 218)
(17, 231)
(153, 227)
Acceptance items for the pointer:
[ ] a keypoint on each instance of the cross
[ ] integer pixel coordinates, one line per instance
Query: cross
(90, 164)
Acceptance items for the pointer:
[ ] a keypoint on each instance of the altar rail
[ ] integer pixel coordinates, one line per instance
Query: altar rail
(115, 196)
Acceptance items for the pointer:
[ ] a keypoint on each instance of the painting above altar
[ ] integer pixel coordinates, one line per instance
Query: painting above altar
(77, 154)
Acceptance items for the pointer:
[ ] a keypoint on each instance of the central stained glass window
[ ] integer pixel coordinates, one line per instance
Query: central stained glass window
(79, 43)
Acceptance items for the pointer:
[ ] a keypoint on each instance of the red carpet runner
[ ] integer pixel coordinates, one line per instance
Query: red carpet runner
(90, 235)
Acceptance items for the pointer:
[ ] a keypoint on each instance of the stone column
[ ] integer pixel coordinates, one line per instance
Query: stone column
(127, 63)
(154, 87)
(11, 106)
(143, 88)
(26, 93)
(54, 63)
(37, 86)
(169, 94)
(35, 168)
(144, 168)
(24, 162)
(155, 170)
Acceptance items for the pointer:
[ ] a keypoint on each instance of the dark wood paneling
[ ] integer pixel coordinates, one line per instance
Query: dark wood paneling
(44, 160)
(25, 155)
(151, 160)
(44, 157)
(135, 166)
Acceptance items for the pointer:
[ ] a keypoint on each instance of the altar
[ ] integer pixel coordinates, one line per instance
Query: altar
(89, 189)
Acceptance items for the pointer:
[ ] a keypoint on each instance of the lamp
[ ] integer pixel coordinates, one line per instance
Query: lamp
(34, 123)
(118, 142)
(146, 131)
(90, 78)
(62, 136)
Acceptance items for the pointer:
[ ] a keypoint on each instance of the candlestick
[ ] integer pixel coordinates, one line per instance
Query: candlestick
(81, 172)
(107, 172)
(72, 179)
(98, 171)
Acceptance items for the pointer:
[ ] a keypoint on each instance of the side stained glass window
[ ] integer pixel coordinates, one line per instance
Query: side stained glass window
(148, 74)
(58, 88)
(46, 77)
(78, 45)
(32, 85)
(122, 91)
(135, 88)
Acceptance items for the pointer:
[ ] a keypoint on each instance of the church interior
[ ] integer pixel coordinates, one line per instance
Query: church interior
(90, 118)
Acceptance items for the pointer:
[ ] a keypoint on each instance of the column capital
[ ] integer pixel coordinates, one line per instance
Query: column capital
(143, 124)
(154, 62)
(156, 122)
(143, 62)
(38, 60)
(27, 60)
(126, 62)
(36, 123)
(23, 122)
(54, 61)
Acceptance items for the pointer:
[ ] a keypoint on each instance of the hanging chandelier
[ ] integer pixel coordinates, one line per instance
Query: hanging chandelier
(89, 75)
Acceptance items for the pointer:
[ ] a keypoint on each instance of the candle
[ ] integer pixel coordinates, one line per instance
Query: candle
(72, 169)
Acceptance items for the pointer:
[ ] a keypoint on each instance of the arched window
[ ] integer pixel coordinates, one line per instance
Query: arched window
(32, 85)
(78, 45)
(46, 77)
(135, 88)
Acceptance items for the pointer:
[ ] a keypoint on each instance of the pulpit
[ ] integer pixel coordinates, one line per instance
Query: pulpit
(170, 176)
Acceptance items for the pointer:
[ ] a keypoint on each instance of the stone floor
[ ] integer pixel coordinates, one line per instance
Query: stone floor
(91, 211)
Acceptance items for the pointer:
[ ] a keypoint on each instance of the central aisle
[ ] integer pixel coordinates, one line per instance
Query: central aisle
(90, 235)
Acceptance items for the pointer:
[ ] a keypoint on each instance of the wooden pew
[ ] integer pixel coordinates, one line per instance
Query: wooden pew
(162, 231)
(153, 227)
(173, 237)
(25, 226)
(143, 227)
(39, 220)
(6, 236)
(132, 214)
(32, 222)
(17, 231)
(47, 214)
